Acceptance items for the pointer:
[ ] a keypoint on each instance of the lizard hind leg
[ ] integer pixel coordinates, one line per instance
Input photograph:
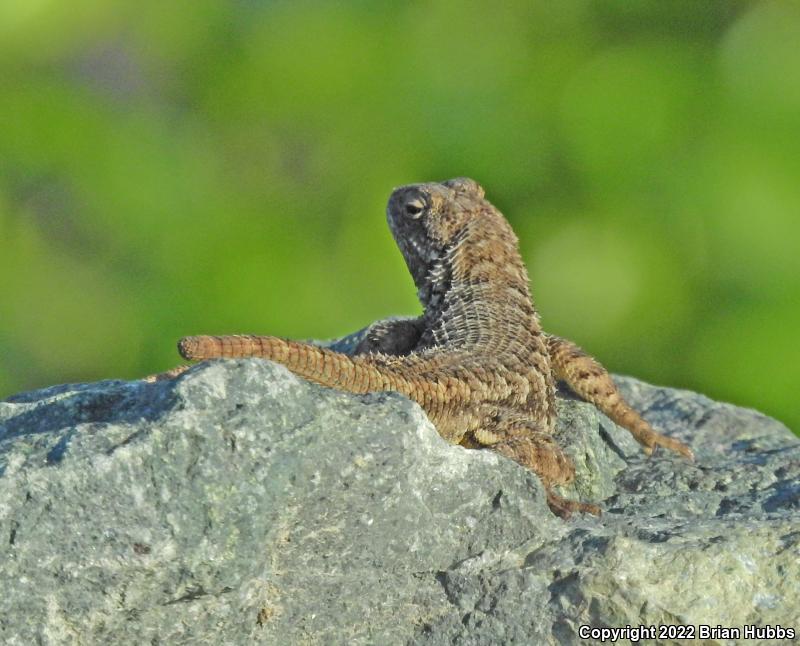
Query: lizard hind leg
(591, 382)
(537, 451)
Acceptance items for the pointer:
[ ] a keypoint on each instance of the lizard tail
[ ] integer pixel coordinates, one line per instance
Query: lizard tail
(591, 381)
(320, 365)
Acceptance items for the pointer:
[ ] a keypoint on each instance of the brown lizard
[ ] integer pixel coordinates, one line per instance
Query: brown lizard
(476, 360)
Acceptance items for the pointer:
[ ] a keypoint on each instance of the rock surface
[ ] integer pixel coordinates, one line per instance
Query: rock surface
(241, 504)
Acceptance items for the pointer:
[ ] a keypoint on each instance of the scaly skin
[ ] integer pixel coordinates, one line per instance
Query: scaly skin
(476, 360)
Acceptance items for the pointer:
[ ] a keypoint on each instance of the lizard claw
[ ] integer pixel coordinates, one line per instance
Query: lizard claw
(669, 443)
(651, 440)
(563, 507)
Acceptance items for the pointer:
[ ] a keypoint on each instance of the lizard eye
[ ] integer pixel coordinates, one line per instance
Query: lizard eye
(414, 208)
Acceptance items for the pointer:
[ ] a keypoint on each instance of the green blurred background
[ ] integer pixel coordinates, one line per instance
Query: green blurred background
(223, 166)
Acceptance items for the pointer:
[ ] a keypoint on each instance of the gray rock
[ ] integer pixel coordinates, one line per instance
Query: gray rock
(240, 503)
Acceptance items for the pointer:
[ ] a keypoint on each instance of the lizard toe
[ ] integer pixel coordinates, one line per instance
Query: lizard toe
(564, 507)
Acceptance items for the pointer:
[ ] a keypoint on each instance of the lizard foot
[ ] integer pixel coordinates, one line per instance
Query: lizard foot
(650, 439)
(563, 507)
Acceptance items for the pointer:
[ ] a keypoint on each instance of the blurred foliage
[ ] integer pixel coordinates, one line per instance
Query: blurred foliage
(223, 166)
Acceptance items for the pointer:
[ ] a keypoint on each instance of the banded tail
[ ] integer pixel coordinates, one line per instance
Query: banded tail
(320, 365)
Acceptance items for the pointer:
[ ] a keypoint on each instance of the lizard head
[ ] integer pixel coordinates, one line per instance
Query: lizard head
(430, 222)
(426, 220)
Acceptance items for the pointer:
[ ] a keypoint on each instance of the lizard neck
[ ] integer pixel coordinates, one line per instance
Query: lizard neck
(476, 297)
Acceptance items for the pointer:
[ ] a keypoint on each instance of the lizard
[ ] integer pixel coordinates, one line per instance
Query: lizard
(476, 360)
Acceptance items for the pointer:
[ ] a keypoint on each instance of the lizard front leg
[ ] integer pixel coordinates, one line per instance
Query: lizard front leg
(393, 336)
(591, 381)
